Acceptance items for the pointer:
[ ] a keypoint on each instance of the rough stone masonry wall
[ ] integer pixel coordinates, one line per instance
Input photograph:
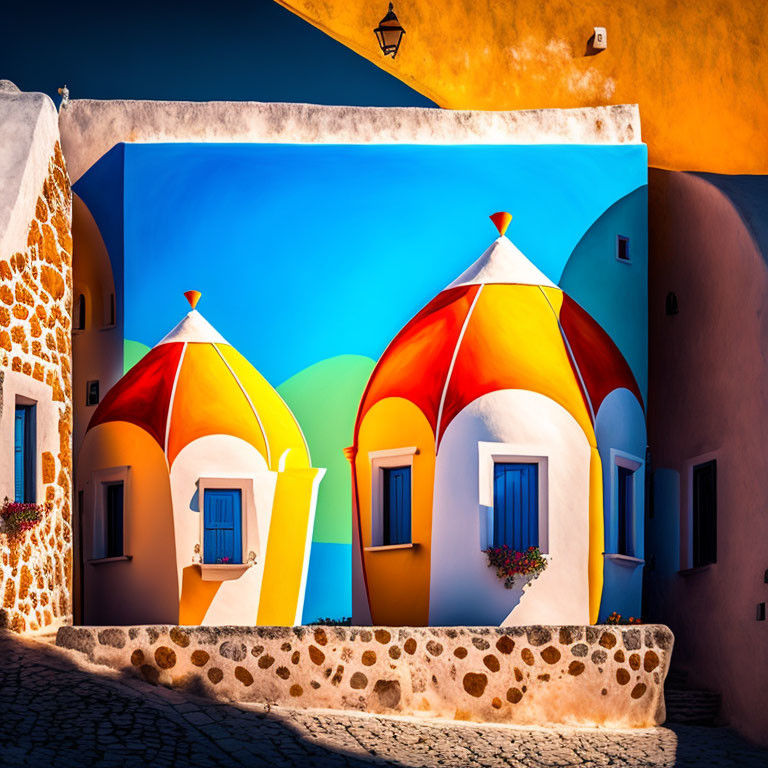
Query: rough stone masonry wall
(601, 675)
(35, 342)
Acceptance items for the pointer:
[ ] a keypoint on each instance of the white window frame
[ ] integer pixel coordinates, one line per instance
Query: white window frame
(686, 532)
(247, 511)
(635, 464)
(100, 480)
(381, 460)
(490, 454)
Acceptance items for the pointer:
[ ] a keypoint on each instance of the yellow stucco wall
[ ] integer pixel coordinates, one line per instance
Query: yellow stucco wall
(290, 534)
(699, 71)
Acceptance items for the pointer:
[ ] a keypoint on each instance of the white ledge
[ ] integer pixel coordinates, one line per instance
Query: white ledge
(388, 453)
(387, 547)
(90, 128)
(696, 569)
(222, 571)
(627, 560)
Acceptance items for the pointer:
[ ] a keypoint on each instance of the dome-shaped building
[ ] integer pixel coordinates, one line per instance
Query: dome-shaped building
(501, 414)
(197, 491)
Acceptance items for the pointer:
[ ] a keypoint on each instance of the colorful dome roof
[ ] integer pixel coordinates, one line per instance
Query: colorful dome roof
(502, 324)
(192, 384)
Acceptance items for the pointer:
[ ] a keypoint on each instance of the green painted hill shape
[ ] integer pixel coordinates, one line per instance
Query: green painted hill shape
(133, 351)
(324, 398)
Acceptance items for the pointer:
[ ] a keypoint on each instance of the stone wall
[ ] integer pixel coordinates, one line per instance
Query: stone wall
(35, 354)
(596, 675)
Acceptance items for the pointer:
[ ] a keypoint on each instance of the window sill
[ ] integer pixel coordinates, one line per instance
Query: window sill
(626, 560)
(118, 559)
(696, 569)
(222, 571)
(109, 327)
(389, 547)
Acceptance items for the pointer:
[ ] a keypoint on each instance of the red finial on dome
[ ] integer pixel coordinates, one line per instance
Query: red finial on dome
(501, 220)
(193, 297)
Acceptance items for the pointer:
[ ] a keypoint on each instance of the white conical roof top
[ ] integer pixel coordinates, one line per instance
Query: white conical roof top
(503, 262)
(195, 328)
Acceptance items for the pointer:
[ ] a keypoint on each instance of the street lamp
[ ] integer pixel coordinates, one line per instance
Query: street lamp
(389, 33)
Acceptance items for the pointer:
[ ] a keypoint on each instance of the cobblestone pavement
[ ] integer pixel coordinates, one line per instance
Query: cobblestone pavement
(58, 711)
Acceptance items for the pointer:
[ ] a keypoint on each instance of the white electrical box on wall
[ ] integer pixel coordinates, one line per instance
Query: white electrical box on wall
(600, 39)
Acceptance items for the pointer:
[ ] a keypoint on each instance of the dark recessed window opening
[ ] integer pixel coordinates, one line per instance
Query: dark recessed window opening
(704, 514)
(112, 310)
(625, 510)
(622, 248)
(397, 506)
(761, 611)
(671, 304)
(79, 324)
(24, 453)
(92, 393)
(114, 520)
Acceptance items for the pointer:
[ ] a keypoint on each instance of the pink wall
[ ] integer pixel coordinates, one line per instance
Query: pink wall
(708, 393)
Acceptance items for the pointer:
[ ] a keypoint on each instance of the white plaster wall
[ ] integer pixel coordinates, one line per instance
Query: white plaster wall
(224, 456)
(89, 128)
(28, 133)
(463, 589)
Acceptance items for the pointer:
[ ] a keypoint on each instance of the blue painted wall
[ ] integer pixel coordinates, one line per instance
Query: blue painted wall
(613, 292)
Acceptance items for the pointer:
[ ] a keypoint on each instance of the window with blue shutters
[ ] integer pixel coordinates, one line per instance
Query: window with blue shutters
(396, 505)
(516, 505)
(24, 452)
(223, 522)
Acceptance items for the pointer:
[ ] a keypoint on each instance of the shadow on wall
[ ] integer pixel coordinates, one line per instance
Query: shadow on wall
(163, 728)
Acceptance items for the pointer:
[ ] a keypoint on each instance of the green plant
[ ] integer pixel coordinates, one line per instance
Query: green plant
(510, 563)
(616, 618)
(344, 621)
(18, 517)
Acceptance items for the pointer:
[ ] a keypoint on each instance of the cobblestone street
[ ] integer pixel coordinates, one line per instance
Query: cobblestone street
(56, 711)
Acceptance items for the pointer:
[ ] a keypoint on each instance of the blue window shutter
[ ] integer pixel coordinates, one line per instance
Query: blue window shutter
(397, 505)
(516, 505)
(20, 430)
(222, 536)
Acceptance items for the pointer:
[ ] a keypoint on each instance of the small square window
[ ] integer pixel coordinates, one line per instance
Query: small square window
(622, 248)
(92, 393)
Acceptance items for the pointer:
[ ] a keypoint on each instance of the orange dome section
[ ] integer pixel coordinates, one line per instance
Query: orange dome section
(209, 400)
(501, 325)
(194, 384)
(416, 363)
(513, 341)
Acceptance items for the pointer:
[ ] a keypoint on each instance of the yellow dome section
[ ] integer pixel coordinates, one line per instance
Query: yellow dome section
(278, 423)
(218, 392)
(209, 400)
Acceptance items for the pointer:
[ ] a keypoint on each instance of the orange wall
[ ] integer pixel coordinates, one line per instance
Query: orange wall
(699, 71)
(398, 580)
